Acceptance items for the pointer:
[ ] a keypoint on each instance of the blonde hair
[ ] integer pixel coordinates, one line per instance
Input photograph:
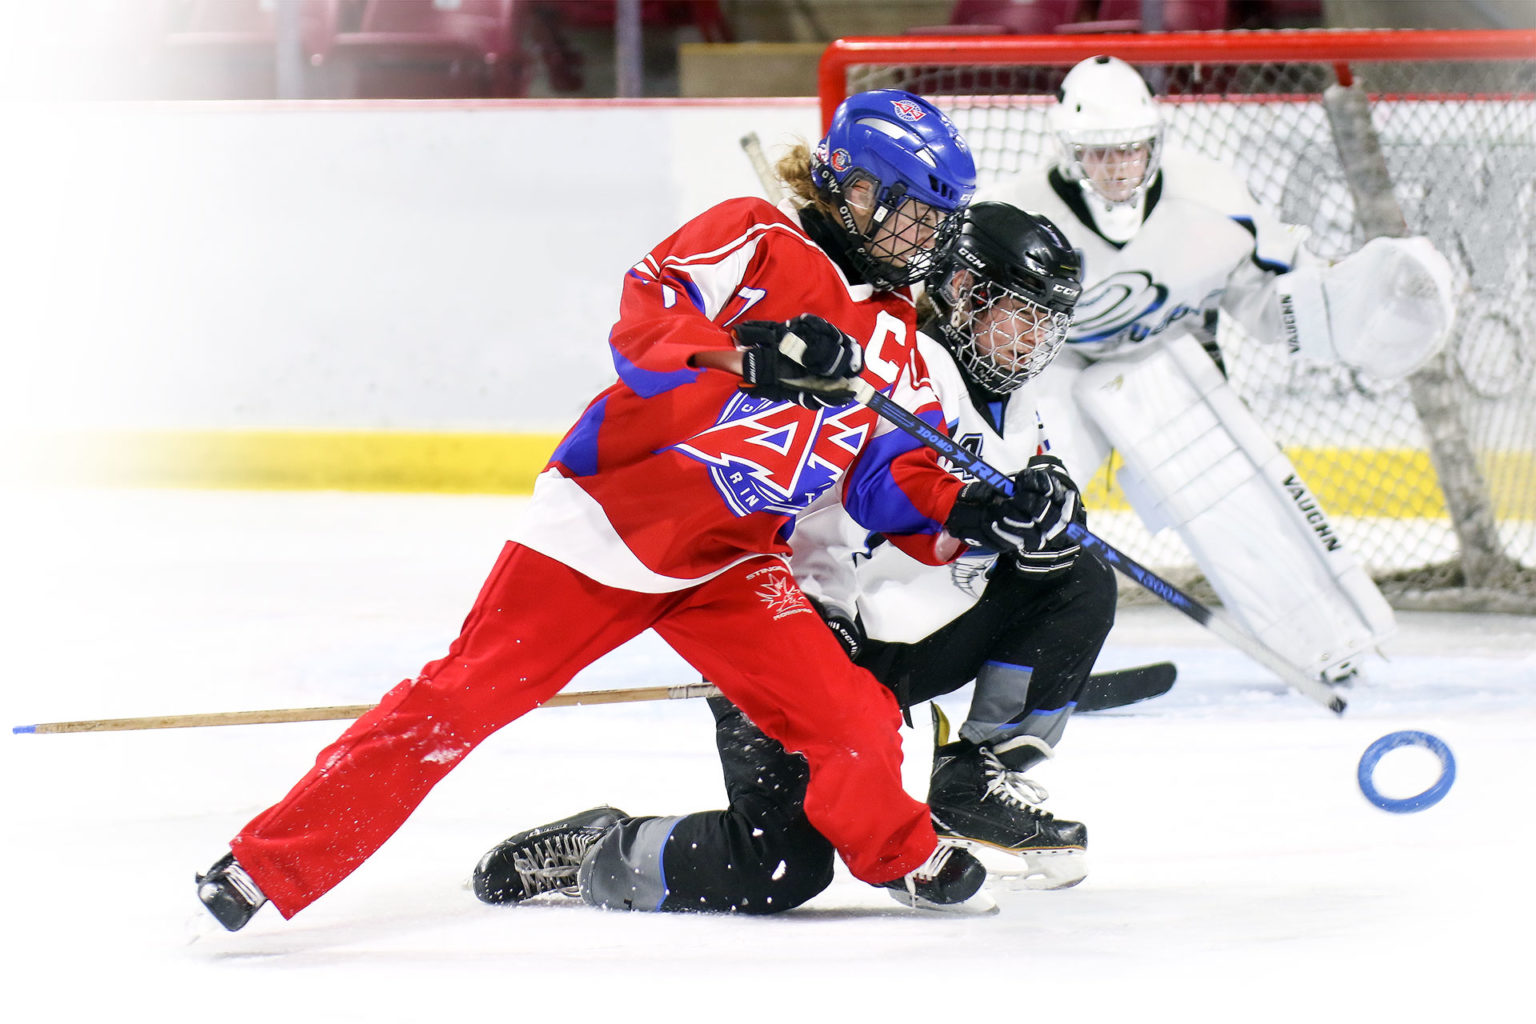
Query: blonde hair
(794, 169)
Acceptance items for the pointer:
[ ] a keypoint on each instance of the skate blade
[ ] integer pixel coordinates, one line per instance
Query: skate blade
(981, 904)
(1031, 872)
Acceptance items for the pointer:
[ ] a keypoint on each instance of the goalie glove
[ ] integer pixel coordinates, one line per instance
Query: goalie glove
(1385, 309)
(819, 381)
(1031, 521)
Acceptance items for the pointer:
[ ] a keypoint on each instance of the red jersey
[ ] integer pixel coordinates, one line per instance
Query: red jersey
(674, 474)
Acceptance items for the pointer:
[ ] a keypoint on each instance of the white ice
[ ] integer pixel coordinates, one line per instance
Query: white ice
(1237, 873)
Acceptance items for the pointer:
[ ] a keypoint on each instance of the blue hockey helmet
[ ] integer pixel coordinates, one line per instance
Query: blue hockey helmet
(918, 169)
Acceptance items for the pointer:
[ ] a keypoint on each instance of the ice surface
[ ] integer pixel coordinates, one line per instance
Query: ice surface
(1237, 874)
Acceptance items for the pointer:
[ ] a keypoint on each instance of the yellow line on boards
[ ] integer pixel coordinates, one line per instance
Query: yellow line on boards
(1393, 483)
(450, 463)
(1384, 482)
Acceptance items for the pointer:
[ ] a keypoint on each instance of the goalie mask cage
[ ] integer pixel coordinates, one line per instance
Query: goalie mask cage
(1431, 481)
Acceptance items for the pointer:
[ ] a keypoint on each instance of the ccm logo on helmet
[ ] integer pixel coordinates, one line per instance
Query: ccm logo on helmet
(907, 110)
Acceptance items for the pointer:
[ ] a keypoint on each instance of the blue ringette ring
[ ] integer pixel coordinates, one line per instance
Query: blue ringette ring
(1407, 738)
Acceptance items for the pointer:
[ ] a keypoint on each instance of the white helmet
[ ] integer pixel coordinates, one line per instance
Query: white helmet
(1106, 113)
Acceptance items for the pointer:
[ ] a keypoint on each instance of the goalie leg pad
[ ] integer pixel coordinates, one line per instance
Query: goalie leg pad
(1196, 459)
(1072, 437)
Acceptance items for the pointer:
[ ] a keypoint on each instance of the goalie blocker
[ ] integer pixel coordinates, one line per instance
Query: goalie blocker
(1203, 466)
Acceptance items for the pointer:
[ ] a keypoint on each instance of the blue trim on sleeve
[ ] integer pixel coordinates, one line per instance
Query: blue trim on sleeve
(872, 496)
(689, 289)
(650, 383)
(578, 451)
(1270, 266)
(661, 864)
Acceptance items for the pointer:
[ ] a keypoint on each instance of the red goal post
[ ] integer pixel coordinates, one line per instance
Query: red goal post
(845, 58)
(1432, 482)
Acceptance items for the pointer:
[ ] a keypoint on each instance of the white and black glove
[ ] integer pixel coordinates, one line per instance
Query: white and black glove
(1030, 524)
(1059, 552)
(1386, 309)
(818, 381)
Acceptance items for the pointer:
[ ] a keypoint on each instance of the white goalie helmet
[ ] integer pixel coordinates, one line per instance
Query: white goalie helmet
(1110, 128)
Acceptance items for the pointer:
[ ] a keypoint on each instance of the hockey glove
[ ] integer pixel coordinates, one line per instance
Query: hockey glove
(848, 632)
(1059, 552)
(1043, 502)
(819, 381)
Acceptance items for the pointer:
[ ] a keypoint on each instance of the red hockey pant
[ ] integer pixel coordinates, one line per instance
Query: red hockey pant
(536, 624)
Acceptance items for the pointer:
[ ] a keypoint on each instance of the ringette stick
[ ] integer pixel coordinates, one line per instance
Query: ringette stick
(347, 711)
(773, 188)
(864, 393)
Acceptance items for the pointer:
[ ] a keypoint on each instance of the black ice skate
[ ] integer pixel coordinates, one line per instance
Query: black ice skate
(229, 893)
(949, 878)
(977, 800)
(541, 859)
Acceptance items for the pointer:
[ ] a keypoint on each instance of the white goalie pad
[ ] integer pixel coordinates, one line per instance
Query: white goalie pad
(1197, 460)
(1385, 309)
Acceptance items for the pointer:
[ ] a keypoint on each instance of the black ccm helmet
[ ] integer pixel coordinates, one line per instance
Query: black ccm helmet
(1005, 290)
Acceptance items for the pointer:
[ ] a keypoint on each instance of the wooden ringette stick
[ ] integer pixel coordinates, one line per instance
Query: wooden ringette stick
(773, 188)
(908, 422)
(346, 711)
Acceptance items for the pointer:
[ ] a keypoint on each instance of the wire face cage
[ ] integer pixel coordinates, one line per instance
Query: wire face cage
(1432, 481)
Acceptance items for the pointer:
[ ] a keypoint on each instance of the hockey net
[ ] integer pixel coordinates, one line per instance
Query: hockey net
(1431, 482)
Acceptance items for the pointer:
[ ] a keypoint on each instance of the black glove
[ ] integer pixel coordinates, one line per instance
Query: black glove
(1033, 519)
(818, 380)
(1059, 552)
(848, 632)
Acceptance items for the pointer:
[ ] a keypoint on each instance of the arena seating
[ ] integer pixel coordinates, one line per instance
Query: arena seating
(425, 48)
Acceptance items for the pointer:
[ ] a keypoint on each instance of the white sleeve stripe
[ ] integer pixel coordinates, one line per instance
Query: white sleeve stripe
(715, 255)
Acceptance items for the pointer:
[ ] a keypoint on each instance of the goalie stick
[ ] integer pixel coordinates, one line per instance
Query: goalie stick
(863, 392)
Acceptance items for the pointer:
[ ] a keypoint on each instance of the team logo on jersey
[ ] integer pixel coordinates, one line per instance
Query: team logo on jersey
(767, 456)
(971, 442)
(908, 111)
(1117, 304)
(969, 573)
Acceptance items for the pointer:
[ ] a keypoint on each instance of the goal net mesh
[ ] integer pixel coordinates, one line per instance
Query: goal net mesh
(1459, 140)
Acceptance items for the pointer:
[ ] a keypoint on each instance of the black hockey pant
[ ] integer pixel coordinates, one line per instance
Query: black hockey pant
(760, 856)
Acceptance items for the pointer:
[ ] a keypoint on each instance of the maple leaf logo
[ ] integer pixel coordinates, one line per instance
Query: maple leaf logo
(782, 597)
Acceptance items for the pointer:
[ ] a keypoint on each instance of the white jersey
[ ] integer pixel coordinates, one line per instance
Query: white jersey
(1203, 244)
(897, 597)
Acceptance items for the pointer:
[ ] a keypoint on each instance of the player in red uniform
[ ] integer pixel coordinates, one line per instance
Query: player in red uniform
(668, 506)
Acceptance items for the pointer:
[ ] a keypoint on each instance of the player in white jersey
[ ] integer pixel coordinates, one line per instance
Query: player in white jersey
(1170, 241)
(1026, 626)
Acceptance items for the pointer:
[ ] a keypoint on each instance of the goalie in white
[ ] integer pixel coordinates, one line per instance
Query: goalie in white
(1169, 241)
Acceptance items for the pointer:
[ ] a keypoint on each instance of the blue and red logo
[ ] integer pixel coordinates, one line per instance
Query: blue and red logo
(908, 111)
(767, 456)
(841, 161)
